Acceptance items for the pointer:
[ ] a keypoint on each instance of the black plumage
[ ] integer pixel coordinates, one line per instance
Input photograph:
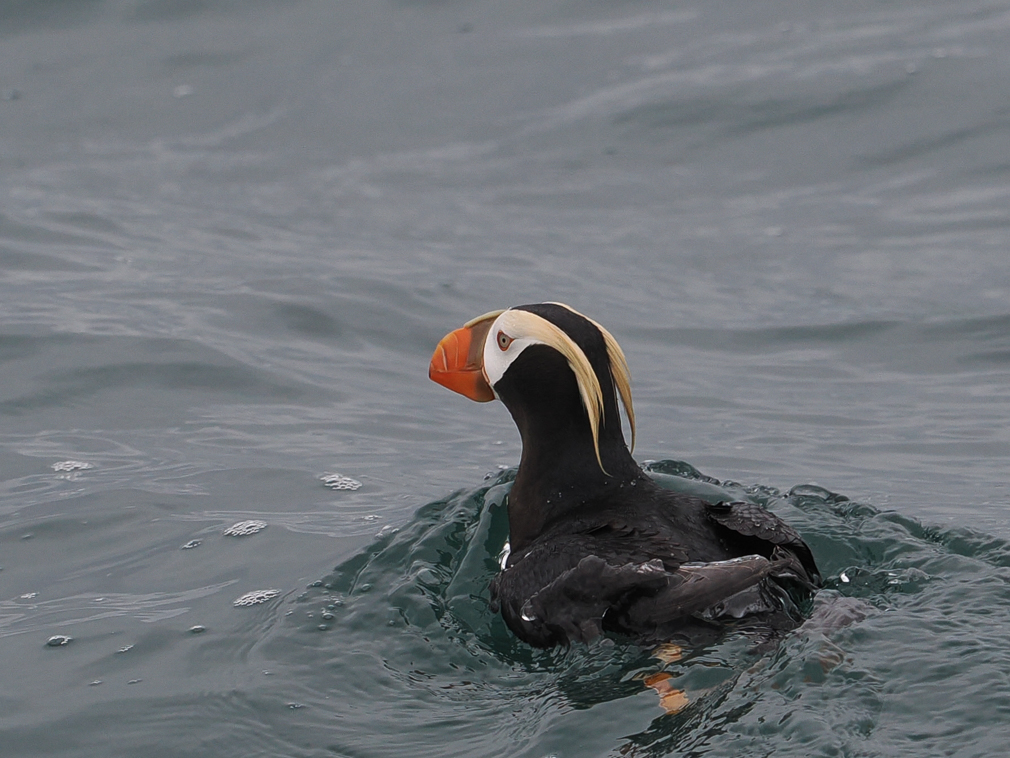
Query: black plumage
(597, 546)
(655, 565)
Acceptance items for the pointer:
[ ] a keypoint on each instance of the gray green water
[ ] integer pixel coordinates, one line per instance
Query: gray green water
(232, 232)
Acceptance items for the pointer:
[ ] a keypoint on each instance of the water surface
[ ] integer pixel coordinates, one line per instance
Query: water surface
(231, 234)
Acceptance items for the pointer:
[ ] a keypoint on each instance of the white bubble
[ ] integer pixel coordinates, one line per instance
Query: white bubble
(256, 597)
(245, 528)
(339, 482)
(71, 466)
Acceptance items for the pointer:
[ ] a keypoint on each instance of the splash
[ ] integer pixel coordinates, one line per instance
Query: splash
(404, 630)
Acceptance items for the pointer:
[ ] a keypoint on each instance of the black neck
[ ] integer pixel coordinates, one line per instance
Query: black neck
(558, 471)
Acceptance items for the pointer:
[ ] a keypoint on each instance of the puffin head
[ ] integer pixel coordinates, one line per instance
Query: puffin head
(550, 365)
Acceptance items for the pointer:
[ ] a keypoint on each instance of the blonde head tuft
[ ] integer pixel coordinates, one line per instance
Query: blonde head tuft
(527, 325)
(618, 369)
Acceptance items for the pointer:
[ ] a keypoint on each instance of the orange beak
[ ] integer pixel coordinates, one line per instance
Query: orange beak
(458, 361)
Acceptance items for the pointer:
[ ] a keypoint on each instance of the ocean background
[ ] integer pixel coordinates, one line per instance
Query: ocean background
(231, 233)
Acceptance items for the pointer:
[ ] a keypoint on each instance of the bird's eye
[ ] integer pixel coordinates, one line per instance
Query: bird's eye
(504, 341)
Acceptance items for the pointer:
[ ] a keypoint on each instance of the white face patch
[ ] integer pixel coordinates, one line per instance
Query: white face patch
(515, 330)
(500, 353)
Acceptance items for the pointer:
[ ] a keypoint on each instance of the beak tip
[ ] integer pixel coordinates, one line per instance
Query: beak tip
(453, 367)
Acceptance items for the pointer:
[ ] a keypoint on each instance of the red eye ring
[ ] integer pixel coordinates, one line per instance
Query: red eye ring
(503, 341)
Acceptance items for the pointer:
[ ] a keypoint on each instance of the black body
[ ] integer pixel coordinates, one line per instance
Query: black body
(596, 550)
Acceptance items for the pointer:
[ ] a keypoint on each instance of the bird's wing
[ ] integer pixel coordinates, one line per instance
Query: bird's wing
(571, 607)
(755, 524)
(699, 588)
(634, 597)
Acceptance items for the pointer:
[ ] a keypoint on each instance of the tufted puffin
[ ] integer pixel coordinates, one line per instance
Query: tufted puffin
(597, 546)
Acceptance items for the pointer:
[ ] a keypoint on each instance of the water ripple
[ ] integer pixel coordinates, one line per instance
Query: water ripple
(35, 615)
(412, 618)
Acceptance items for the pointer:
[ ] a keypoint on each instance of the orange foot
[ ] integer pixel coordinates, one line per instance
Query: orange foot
(671, 699)
(668, 653)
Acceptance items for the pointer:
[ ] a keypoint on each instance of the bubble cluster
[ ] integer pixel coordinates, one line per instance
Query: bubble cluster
(339, 482)
(71, 466)
(245, 528)
(256, 597)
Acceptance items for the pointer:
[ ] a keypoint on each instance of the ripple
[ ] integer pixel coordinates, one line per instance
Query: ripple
(417, 637)
(352, 520)
(18, 617)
